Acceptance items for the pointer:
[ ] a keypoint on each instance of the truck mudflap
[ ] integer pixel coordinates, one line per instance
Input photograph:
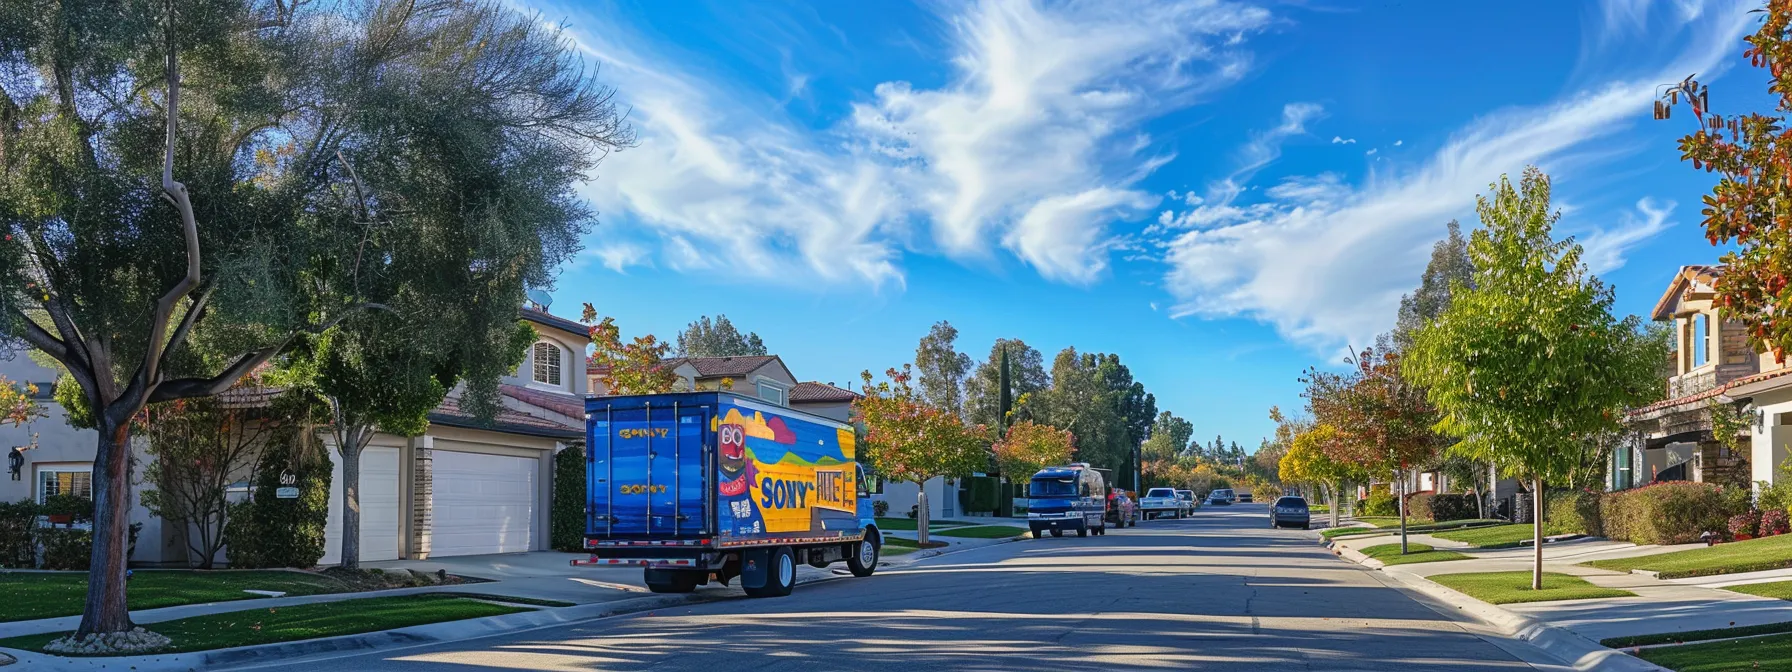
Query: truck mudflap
(595, 561)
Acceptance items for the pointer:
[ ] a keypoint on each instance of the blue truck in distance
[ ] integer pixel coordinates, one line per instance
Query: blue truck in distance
(709, 486)
(1072, 497)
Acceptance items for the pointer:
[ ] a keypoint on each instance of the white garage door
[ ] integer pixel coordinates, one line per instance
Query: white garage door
(481, 503)
(379, 507)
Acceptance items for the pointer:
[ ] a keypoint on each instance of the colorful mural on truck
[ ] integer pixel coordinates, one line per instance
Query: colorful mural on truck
(779, 475)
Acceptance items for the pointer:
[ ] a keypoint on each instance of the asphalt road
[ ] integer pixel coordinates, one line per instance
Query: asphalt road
(1217, 591)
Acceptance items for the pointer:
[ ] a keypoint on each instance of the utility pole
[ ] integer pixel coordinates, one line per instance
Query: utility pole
(1138, 451)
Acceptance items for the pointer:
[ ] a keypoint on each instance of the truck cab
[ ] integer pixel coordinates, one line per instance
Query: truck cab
(1072, 497)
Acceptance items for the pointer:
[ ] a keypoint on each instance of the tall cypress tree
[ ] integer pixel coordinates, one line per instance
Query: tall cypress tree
(1007, 394)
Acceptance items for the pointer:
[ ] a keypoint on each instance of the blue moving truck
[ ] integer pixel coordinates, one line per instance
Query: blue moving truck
(1072, 497)
(709, 486)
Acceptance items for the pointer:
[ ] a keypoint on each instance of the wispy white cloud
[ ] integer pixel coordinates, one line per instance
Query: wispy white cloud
(1372, 152)
(1327, 264)
(619, 256)
(1398, 143)
(1603, 250)
(1341, 140)
(1261, 150)
(1033, 144)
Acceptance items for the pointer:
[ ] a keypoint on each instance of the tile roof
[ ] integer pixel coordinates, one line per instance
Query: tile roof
(563, 403)
(811, 391)
(718, 367)
(450, 413)
(1713, 392)
(548, 319)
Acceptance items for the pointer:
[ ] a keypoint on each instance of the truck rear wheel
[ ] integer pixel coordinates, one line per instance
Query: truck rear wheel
(670, 580)
(780, 576)
(863, 560)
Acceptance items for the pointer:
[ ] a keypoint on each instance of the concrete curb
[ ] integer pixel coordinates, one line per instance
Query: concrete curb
(1572, 649)
(287, 652)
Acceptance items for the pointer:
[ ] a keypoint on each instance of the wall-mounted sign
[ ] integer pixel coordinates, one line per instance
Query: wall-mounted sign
(287, 492)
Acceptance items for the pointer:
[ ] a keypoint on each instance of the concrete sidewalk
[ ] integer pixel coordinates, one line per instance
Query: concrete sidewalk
(1659, 607)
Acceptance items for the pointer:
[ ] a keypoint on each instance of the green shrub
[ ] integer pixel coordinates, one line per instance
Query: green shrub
(1676, 512)
(980, 494)
(267, 531)
(76, 507)
(67, 548)
(1418, 507)
(18, 534)
(1572, 512)
(1446, 508)
(880, 508)
(1380, 502)
(567, 526)
(1267, 493)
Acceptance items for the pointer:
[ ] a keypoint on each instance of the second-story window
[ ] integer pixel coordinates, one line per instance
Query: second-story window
(1701, 337)
(547, 364)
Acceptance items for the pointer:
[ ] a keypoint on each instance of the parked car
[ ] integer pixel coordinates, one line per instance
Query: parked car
(1160, 502)
(1244, 498)
(1220, 496)
(1290, 511)
(1188, 501)
(1122, 511)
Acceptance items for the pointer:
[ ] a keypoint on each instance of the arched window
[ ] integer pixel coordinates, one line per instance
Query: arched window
(547, 364)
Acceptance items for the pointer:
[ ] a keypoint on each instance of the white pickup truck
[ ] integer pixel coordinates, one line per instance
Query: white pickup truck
(1159, 502)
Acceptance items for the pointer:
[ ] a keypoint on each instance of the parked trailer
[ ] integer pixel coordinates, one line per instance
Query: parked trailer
(709, 486)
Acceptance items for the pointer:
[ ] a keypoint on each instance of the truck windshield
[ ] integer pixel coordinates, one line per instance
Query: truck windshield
(1052, 487)
(1161, 492)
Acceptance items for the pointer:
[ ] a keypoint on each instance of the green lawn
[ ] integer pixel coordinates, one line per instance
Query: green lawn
(305, 621)
(983, 532)
(1696, 635)
(908, 524)
(1496, 536)
(1779, 589)
(1743, 556)
(1757, 654)
(1515, 587)
(1389, 554)
(1380, 521)
(34, 595)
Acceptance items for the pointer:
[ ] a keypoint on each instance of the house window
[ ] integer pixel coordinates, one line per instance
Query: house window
(74, 479)
(772, 393)
(1701, 335)
(547, 364)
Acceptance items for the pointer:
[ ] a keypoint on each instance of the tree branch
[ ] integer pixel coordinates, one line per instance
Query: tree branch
(42, 339)
(176, 194)
(184, 388)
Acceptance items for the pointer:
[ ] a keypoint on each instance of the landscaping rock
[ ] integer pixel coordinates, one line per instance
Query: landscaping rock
(426, 578)
(137, 640)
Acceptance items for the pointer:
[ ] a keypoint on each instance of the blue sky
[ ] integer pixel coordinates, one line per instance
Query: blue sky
(1223, 193)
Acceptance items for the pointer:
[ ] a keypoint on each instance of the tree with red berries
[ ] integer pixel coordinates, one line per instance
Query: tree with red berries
(1751, 205)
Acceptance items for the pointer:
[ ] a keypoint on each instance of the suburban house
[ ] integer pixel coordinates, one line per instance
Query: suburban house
(463, 487)
(1713, 363)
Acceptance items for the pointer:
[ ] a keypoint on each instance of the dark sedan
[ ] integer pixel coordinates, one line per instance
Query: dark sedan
(1290, 512)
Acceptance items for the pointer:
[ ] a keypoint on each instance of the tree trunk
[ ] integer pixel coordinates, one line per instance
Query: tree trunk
(1399, 479)
(921, 515)
(1537, 535)
(1336, 502)
(350, 450)
(105, 609)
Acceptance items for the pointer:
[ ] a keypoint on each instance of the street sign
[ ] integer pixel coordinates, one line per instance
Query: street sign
(288, 492)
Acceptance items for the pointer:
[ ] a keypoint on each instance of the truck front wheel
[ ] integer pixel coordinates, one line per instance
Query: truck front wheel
(863, 560)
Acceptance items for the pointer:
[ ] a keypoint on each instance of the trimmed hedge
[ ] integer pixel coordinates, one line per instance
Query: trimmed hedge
(1380, 502)
(566, 529)
(980, 494)
(1446, 508)
(267, 531)
(1418, 507)
(18, 534)
(1675, 512)
(1572, 512)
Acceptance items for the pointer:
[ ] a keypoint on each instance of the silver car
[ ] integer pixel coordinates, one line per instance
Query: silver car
(1290, 511)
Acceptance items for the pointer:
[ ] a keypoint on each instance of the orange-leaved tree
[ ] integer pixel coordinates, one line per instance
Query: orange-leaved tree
(636, 367)
(1028, 447)
(908, 440)
(1751, 204)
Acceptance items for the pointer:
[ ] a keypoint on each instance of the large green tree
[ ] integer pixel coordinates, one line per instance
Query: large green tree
(1449, 267)
(1095, 397)
(1530, 364)
(1027, 378)
(718, 338)
(940, 369)
(188, 188)
(1170, 435)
